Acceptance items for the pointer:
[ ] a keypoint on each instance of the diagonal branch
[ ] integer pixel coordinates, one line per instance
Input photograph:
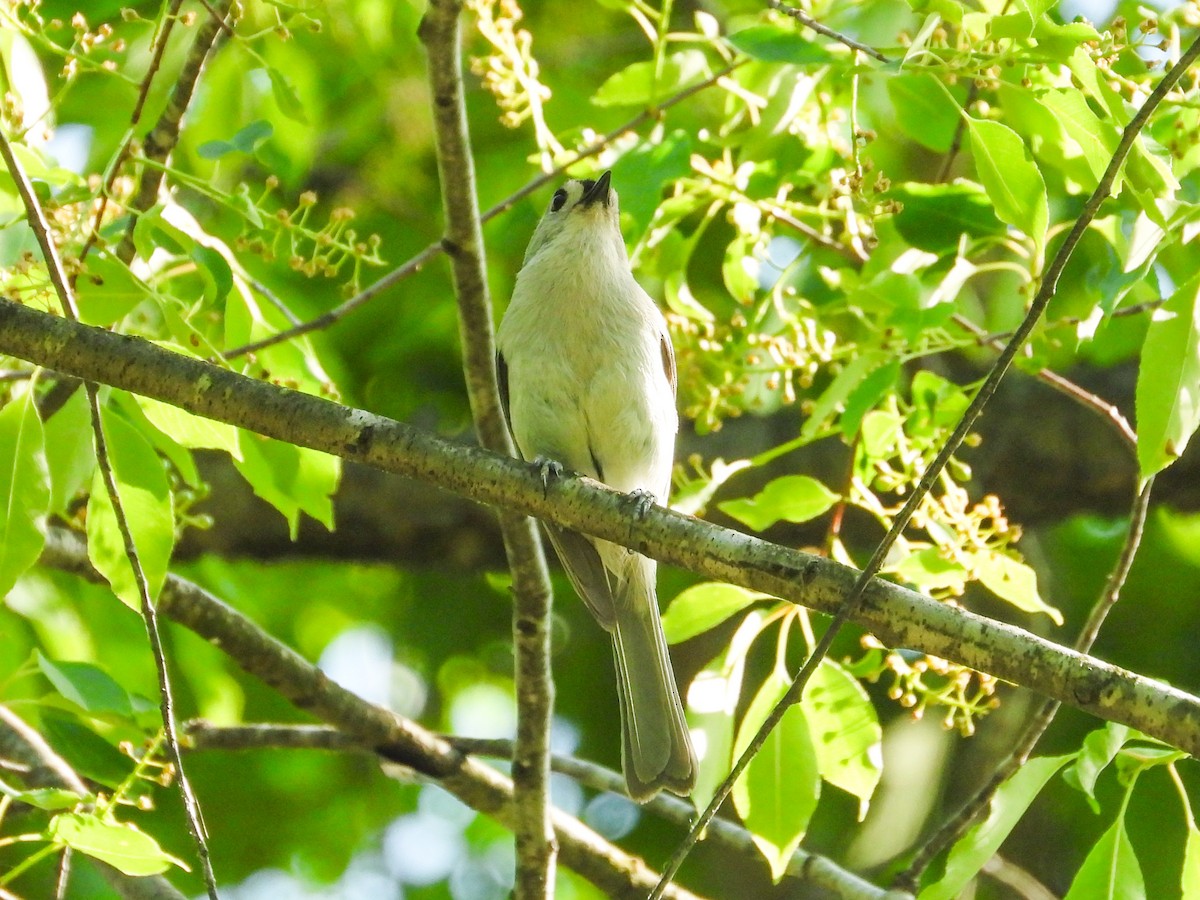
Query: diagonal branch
(532, 595)
(41, 229)
(956, 826)
(899, 616)
(477, 784)
(856, 595)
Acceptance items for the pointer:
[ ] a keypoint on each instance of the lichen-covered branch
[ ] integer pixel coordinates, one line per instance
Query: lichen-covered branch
(899, 616)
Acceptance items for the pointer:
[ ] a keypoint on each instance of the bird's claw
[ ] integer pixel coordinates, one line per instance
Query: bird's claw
(642, 502)
(549, 470)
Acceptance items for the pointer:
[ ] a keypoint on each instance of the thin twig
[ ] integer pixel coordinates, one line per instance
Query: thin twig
(478, 785)
(816, 26)
(165, 26)
(986, 390)
(416, 263)
(41, 229)
(165, 135)
(440, 32)
(814, 869)
(956, 826)
(1107, 411)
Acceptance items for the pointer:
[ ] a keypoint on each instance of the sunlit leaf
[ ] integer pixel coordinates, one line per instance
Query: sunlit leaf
(87, 686)
(1168, 385)
(980, 844)
(777, 793)
(771, 43)
(147, 504)
(925, 112)
(845, 732)
(1111, 870)
(1012, 181)
(24, 488)
(792, 498)
(636, 84)
(704, 606)
(1011, 580)
(119, 844)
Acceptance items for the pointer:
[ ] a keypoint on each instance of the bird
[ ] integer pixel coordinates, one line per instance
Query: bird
(587, 381)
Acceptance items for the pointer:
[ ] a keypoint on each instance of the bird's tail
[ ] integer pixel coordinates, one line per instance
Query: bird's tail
(656, 749)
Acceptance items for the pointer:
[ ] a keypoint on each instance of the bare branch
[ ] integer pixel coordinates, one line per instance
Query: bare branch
(899, 616)
(440, 32)
(816, 26)
(956, 826)
(813, 869)
(403, 741)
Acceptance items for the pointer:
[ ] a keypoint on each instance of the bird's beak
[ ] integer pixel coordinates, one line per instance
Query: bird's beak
(599, 191)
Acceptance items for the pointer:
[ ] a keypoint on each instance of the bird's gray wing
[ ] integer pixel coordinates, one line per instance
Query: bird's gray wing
(591, 580)
(502, 383)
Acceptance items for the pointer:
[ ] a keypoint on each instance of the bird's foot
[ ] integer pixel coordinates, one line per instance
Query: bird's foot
(549, 470)
(641, 501)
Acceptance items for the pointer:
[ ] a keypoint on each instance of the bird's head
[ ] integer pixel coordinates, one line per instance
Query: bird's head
(582, 219)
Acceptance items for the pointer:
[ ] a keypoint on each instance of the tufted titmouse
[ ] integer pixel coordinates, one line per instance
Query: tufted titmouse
(587, 376)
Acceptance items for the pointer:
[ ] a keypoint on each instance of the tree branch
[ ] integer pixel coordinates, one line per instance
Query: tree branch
(41, 229)
(532, 595)
(815, 870)
(403, 741)
(899, 616)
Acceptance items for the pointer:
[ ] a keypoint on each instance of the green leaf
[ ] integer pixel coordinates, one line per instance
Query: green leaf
(70, 453)
(1096, 141)
(778, 792)
(146, 500)
(1111, 870)
(928, 570)
(834, 396)
(1167, 398)
(43, 798)
(980, 844)
(188, 430)
(292, 479)
(845, 732)
(935, 216)
(740, 269)
(108, 291)
(84, 750)
(712, 700)
(1100, 748)
(642, 173)
(1011, 580)
(704, 606)
(119, 844)
(87, 686)
(866, 395)
(694, 494)
(925, 110)
(214, 272)
(24, 489)
(770, 43)
(1010, 178)
(245, 141)
(286, 97)
(792, 498)
(635, 85)
(1190, 882)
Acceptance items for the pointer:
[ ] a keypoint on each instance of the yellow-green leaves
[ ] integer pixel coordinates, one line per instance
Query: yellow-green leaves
(1168, 385)
(24, 489)
(792, 498)
(146, 501)
(1013, 183)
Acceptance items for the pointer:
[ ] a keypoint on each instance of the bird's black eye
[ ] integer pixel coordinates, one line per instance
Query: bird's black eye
(560, 197)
